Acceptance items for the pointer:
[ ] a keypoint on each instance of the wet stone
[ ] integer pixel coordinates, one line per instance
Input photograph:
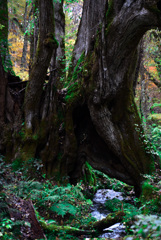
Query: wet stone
(115, 231)
(102, 195)
(99, 212)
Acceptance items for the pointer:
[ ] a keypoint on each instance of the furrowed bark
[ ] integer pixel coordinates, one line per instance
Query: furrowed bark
(4, 32)
(25, 42)
(47, 43)
(3, 84)
(57, 64)
(98, 122)
(107, 78)
(34, 35)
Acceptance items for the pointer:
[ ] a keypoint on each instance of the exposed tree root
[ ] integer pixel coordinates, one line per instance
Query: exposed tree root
(98, 226)
(23, 210)
(53, 227)
(20, 209)
(110, 220)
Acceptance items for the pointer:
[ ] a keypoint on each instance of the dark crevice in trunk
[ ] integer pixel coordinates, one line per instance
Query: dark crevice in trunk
(159, 5)
(92, 148)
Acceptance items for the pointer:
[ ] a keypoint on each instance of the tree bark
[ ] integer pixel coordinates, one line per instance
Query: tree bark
(97, 121)
(109, 43)
(24, 51)
(34, 34)
(4, 28)
(57, 65)
(47, 43)
(4, 35)
(3, 84)
(9, 114)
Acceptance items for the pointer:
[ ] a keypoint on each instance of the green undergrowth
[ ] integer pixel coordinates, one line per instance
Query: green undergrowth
(153, 133)
(155, 117)
(104, 181)
(156, 105)
(68, 205)
(142, 215)
(146, 227)
(54, 203)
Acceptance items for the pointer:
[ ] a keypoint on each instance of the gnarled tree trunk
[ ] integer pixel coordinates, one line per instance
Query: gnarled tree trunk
(108, 127)
(98, 122)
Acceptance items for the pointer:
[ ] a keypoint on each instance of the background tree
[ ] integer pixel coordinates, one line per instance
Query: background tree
(148, 88)
(4, 35)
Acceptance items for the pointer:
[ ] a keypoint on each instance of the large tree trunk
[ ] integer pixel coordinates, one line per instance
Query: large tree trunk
(42, 108)
(107, 126)
(99, 122)
(46, 44)
(8, 108)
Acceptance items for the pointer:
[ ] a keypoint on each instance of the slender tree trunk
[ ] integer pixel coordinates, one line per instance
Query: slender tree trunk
(143, 94)
(34, 35)
(3, 84)
(4, 35)
(25, 43)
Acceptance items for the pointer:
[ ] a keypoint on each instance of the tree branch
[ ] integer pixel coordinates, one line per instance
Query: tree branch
(18, 24)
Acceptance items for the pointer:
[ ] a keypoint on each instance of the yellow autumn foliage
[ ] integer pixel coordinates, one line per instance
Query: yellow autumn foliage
(15, 49)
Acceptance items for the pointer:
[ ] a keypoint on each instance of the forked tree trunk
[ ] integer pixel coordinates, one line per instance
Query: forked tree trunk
(99, 123)
(107, 125)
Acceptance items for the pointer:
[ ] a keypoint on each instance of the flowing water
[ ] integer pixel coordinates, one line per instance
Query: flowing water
(99, 212)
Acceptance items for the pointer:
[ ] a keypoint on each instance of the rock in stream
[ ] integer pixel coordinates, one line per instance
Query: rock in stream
(99, 212)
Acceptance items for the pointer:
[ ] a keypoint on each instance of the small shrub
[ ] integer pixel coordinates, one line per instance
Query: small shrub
(31, 168)
(150, 198)
(113, 205)
(147, 227)
(17, 164)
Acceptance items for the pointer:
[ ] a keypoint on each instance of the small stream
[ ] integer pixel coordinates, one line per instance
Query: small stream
(99, 212)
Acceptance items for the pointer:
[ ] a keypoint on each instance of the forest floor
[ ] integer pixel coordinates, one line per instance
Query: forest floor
(43, 209)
